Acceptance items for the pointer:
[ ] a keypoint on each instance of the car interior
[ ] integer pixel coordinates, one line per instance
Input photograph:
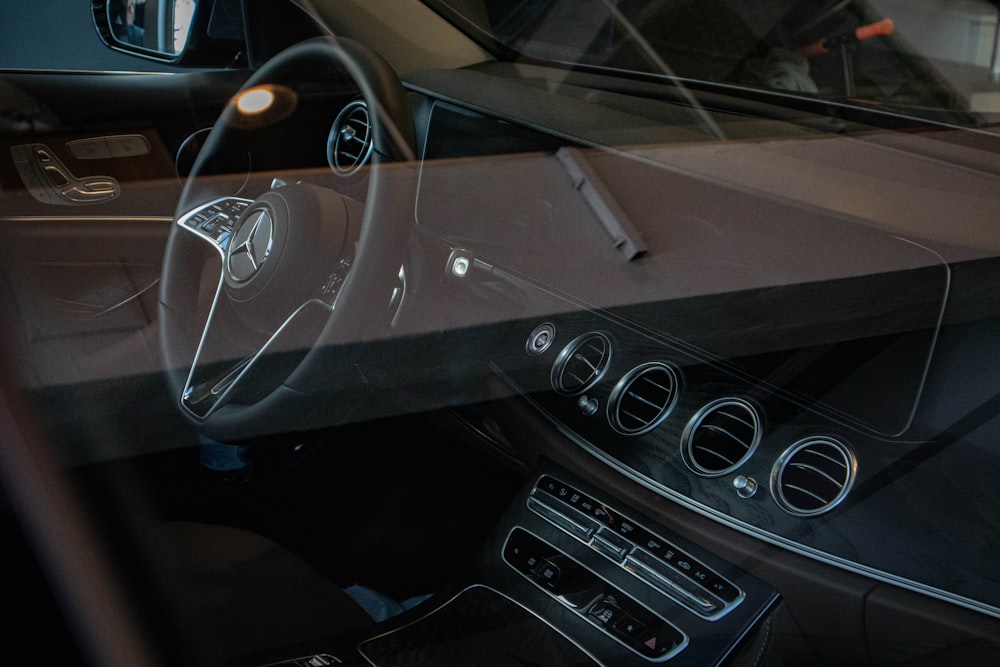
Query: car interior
(498, 332)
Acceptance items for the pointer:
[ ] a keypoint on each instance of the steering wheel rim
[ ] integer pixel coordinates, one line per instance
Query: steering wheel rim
(359, 309)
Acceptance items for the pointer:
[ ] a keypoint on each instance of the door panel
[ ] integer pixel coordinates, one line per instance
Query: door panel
(79, 279)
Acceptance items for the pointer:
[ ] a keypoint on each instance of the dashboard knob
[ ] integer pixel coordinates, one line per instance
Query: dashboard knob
(588, 406)
(746, 487)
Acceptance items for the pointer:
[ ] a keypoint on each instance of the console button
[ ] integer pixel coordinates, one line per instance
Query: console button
(569, 520)
(628, 628)
(548, 573)
(658, 643)
(606, 611)
(723, 589)
(611, 545)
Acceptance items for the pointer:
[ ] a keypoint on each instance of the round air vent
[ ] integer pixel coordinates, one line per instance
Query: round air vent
(721, 437)
(350, 142)
(813, 476)
(581, 363)
(643, 398)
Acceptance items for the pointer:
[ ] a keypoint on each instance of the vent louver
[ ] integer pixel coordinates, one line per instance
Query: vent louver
(643, 398)
(813, 476)
(350, 142)
(581, 363)
(721, 437)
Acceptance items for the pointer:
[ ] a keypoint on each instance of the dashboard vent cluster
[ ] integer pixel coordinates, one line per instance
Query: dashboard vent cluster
(813, 476)
(350, 142)
(643, 398)
(721, 437)
(581, 363)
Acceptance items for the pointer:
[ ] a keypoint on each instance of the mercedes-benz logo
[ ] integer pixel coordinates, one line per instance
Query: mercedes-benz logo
(250, 247)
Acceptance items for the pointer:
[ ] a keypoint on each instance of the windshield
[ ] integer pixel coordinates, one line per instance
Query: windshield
(889, 53)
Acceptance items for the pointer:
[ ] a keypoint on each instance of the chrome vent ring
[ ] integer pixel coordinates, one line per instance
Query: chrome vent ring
(350, 142)
(721, 437)
(813, 476)
(643, 398)
(581, 364)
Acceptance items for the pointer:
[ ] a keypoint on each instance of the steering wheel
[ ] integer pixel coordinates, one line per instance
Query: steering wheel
(263, 299)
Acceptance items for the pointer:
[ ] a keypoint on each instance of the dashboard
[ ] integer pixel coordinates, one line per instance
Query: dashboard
(777, 365)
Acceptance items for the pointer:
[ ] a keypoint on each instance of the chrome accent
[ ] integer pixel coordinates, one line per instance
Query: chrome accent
(588, 406)
(580, 527)
(397, 297)
(243, 366)
(582, 363)
(540, 339)
(350, 142)
(746, 487)
(665, 579)
(721, 437)
(87, 218)
(312, 660)
(656, 396)
(250, 249)
(819, 464)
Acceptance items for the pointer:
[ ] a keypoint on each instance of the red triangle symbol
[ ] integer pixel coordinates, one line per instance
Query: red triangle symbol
(651, 643)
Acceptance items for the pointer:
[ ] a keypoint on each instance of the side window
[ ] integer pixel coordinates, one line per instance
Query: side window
(60, 35)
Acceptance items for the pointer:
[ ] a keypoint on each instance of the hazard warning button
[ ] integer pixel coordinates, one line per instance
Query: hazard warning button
(657, 643)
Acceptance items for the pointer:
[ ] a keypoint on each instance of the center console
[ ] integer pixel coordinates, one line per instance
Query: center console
(572, 576)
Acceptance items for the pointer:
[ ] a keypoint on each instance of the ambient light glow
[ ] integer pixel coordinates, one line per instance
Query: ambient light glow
(262, 106)
(255, 101)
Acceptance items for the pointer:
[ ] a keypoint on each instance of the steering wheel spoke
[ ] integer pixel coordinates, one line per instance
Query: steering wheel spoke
(235, 364)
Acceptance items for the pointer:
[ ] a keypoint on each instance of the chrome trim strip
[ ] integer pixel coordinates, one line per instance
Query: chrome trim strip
(85, 218)
(92, 72)
(248, 365)
(496, 592)
(753, 531)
